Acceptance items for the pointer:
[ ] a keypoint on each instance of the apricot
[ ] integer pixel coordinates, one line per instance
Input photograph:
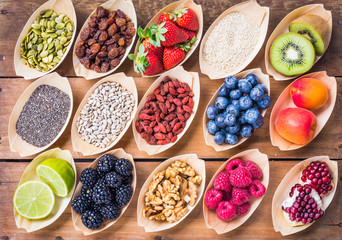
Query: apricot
(309, 93)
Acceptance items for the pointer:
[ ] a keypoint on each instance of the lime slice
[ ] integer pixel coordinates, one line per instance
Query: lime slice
(34, 200)
(58, 174)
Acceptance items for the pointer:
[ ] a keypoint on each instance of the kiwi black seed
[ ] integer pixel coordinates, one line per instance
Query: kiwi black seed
(292, 54)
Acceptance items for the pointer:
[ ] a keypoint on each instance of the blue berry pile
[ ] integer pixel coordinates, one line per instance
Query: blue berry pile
(237, 109)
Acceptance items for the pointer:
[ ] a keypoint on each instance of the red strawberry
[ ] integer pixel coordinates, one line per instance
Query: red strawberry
(191, 34)
(186, 18)
(172, 57)
(158, 51)
(147, 63)
(167, 17)
(165, 34)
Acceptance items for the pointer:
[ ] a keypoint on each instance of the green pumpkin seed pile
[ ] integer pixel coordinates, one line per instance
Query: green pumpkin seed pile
(47, 40)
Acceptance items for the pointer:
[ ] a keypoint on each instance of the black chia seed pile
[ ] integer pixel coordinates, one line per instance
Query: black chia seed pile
(43, 115)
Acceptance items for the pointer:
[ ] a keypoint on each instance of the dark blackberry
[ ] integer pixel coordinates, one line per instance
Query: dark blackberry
(89, 177)
(123, 167)
(113, 179)
(80, 204)
(92, 220)
(87, 192)
(110, 211)
(101, 193)
(127, 179)
(96, 208)
(123, 195)
(106, 163)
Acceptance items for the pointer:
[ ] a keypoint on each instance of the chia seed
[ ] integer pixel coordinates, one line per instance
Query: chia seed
(43, 115)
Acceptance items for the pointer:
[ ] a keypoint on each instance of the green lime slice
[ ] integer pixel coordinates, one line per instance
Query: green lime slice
(58, 174)
(34, 200)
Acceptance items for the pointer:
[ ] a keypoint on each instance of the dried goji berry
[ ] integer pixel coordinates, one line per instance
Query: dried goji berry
(166, 87)
(162, 142)
(176, 127)
(175, 83)
(167, 104)
(169, 98)
(173, 122)
(138, 126)
(144, 116)
(180, 110)
(152, 140)
(150, 98)
(177, 102)
(178, 131)
(156, 91)
(191, 102)
(160, 98)
(187, 108)
(191, 94)
(162, 127)
(170, 135)
(148, 129)
(187, 115)
(168, 128)
(153, 123)
(173, 91)
(146, 122)
(185, 100)
(147, 111)
(171, 84)
(156, 129)
(162, 115)
(174, 139)
(183, 95)
(181, 117)
(159, 136)
(162, 91)
(172, 108)
(170, 117)
(180, 90)
(162, 107)
(147, 104)
(186, 87)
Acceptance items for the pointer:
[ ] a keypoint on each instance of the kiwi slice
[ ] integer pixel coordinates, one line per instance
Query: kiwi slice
(312, 27)
(292, 54)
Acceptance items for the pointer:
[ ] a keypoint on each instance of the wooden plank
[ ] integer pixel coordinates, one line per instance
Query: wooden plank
(14, 15)
(328, 142)
(259, 226)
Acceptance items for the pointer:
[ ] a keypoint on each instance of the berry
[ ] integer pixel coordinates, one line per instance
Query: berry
(123, 195)
(87, 192)
(102, 193)
(106, 163)
(172, 56)
(254, 169)
(246, 130)
(257, 189)
(186, 18)
(171, 33)
(225, 211)
(80, 204)
(127, 179)
(233, 109)
(231, 82)
(191, 34)
(235, 94)
(89, 177)
(212, 198)
(252, 79)
(212, 111)
(223, 91)
(212, 127)
(222, 182)
(257, 94)
(233, 129)
(240, 177)
(113, 179)
(219, 120)
(219, 137)
(242, 209)
(158, 51)
(167, 17)
(221, 102)
(259, 122)
(234, 164)
(245, 102)
(244, 85)
(92, 220)
(96, 208)
(252, 115)
(110, 212)
(242, 119)
(231, 139)
(229, 119)
(265, 102)
(240, 195)
(262, 87)
(124, 167)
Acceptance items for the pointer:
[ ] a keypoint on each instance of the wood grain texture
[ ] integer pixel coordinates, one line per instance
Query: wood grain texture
(259, 226)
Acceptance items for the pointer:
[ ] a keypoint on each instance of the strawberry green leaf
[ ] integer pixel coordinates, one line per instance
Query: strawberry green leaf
(131, 56)
(141, 33)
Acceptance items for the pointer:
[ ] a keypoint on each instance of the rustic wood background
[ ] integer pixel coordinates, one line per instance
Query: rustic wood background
(13, 16)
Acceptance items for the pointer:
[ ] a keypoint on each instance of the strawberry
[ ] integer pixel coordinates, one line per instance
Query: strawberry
(191, 34)
(165, 34)
(187, 19)
(158, 51)
(167, 17)
(145, 62)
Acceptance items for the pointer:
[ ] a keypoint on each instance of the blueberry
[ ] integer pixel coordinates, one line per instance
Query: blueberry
(219, 120)
(245, 102)
(212, 111)
(235, 94)
(233, 109)
(230, 82)
(221, 102)
(259, 122)
(246, 130)
(242, 119)
(252, 115)
(219, 137)
(244, 86)
(233, 129)
(252, 79)
(230, 119)
(231, 139)
(265, 102)
(235, 102)
(212, 127)
(262, 87)
(223, 91)
(257, 93)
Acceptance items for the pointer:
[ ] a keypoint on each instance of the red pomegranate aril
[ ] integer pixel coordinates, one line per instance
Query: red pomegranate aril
(329, 188)
(303, 178)
(300, 209)
(298, 199)
(309, 210)
(315, 210)
(306, 198)
(296, 205)
(317, 175)
(292, 218)
(309, 220)
(323, 174)
(298, 219)
(317, 216)
(325, 179)
(303, 204)
(311, 215)
(303, 220)
(306, 215)
(319, 182)
(294, 210)
(314, 205)
(312, 171)
(311, 176)
(315, 167)
(302, 194)
(311, 201)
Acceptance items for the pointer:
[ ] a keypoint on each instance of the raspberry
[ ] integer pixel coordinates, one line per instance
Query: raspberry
(225, 211)
(240, 195)
(240, 177)
(212, 198)
(227, 196)
(222, 182)
(257, 189)
(242, 209)
(254, 169)
(233, 164)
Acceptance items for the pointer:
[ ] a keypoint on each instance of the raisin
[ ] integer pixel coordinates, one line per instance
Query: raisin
(102, 54)
(80, 44)
(109, 42)
(103, 36)
(91, 41)
(130, 31)
(97, 69)
(104, 67)
(121, 14)
(128, 41)
(115, 62)
(130, 24)
(122, 50)
(112, 29)
(110, 21)
(113, 53)
(100, 12)
(120, 22)
(80, 51)
(85, 34)
(112, 14)
(86, 62)
(97, 34)
(103, 25)
(121, 41)
(116, 37)
(95, 48)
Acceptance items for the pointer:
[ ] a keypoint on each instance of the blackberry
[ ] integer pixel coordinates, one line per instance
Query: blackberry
(106, 163)
(92, 220)
(80, 204)
(113, 179)
(87, 192)
(96, 208)
(89, 177)
(127, 179)
(110, 211)
(123, 167)
(123, 195)
(102, 193)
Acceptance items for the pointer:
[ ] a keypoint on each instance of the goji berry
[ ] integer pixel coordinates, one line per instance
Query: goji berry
(181, 117)
(191, 102)
(174, 139)
(187, 108)
(177, 102)
(180, 90)
(173, 91)
(159, 136)
(160, 98)
(150, 98)
(156, 91)
(178, 131)
(185, 100)
(162, 142)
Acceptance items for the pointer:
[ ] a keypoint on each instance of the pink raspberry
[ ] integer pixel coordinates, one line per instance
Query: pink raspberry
(233, 164)
(242, 209)
(227, 196)
(240, 195)
(225, 211)
(254, 169)
(240, 177)
(212, 198)
(257, 189)
(222, 182)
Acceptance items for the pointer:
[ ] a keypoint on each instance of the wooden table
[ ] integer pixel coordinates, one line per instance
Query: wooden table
(13, 16)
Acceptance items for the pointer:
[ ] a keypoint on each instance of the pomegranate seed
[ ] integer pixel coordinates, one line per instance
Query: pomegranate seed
(294, 210)
(317, 175)
(303, 178)
(314, 205)
(317, 216)
(306, 215)
(304, 220)
(311, 176)
(309, 220)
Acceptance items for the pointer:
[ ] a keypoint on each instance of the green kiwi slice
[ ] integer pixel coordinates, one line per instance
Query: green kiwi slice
(292, 54)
